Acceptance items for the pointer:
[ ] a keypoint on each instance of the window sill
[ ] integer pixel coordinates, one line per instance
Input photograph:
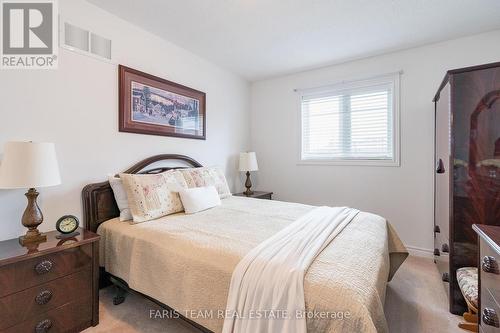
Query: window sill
(375, 163)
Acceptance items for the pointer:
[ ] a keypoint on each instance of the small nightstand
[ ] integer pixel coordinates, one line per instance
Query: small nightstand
(257, 195)
(50, 286)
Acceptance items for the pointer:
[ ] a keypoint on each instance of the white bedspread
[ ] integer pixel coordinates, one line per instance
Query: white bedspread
(267, 287)
(186, 261)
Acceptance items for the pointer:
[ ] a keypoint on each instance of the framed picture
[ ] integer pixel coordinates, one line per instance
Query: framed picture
(151, 105)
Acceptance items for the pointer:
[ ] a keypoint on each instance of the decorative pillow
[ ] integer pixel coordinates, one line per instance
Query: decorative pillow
(153, 196)
(197, 199)
(120, 197)
(207, 176)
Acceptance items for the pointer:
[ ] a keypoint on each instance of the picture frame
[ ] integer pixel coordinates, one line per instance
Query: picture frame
(155, 106)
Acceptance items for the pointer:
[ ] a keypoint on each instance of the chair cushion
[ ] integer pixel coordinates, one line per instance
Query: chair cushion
(467, 280)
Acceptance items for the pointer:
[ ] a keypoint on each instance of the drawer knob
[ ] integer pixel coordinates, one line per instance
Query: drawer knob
(440, 166)
(436, 252)
(445, 277)
(489, 265)
(43, 297)
(445, 248)
(437, 229)
(43, 326)
(44, 267)
(490, 317)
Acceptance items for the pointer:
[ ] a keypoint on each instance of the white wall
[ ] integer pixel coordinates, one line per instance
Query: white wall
(404, 195)
(76, 106)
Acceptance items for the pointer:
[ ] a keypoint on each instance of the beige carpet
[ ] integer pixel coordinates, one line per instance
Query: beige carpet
(416, 302)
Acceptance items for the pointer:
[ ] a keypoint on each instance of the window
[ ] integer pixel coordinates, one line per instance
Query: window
(352, 123)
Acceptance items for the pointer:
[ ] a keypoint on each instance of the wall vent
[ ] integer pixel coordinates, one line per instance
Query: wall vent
(100, 46)
(85, 42)
(76, 37)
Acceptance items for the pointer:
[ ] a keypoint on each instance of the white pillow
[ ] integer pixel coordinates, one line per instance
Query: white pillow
(120, 197)
(197, 199)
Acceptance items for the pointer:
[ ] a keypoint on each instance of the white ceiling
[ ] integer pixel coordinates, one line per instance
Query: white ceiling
(263, 38)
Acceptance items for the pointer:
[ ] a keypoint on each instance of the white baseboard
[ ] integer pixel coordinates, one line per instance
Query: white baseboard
(420, 252)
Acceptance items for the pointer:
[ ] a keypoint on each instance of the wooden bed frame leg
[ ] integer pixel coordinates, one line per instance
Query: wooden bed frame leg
(120, 291)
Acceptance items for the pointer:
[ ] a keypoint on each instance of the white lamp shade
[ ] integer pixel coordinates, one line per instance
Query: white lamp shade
(28, 164)
(248, 162)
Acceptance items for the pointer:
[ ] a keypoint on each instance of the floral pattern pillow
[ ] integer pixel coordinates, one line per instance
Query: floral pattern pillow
(153, 196)
(207, 176)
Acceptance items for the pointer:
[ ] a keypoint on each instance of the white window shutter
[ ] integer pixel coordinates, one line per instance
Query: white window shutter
(350, 122)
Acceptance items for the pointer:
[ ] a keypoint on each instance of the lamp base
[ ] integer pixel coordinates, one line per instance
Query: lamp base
(32, 218)
(248, 185)
(30, 239)
(248, 192)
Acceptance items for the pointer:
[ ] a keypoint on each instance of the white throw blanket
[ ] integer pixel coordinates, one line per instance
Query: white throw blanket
(267, 285)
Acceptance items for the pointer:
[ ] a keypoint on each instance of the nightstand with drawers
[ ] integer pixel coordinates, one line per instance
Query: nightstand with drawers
(50, 286)
(257, 195)
(489, 278)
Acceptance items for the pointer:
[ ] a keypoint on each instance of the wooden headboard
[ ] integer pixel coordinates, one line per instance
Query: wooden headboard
(99, 203)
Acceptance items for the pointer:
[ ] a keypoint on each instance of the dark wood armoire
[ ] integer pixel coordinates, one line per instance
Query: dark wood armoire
(467, 174)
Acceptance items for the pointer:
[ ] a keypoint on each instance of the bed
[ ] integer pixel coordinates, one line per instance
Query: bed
(186, 261)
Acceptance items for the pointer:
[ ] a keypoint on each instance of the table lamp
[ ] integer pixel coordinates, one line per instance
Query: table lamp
(248, 162)
(29, 165)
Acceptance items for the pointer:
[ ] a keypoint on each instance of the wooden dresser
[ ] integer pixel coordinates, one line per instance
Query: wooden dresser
(489, 278)
(51, 286)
